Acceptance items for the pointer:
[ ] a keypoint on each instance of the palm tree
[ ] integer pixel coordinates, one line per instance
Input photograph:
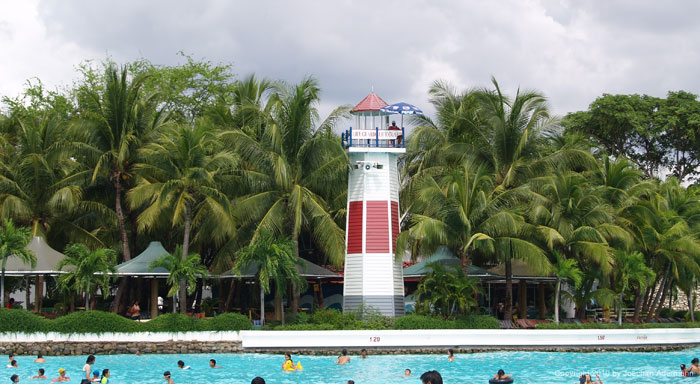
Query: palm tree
(447, 291)
(630, 268)
(116, 119)
(13, 243)
(179, 182)
(290, 170)
(183, 271)
(87, 270)
(457, 208)
(567, 271)
(276, 262)
(36, 187)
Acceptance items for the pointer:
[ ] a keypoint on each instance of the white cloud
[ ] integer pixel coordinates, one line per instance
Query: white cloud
(572, 51)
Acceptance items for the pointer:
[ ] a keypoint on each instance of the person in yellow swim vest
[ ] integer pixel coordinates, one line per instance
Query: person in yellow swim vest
(288, 364)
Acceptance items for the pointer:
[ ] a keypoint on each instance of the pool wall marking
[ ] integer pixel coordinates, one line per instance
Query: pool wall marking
(390, 338)
(469, 338)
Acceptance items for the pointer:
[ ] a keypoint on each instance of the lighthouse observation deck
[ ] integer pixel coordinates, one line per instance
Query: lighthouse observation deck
(374, 140)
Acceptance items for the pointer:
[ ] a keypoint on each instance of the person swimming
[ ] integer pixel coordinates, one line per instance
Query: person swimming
(95, 376)
(40, 375)
(450, 355)
(166, 376)
(363, 354)
(181, 365)
(289, 365)
(40, 359)
(343, 358)
(501, 375)
(694, 369)
(61, 376)
(406, 372)
(212, 364)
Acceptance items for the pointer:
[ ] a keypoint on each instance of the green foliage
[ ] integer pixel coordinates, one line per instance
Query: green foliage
(478, 322)
(17, 320)
(300, 318)
(615, 326)
(187, 270)
(335, 319)
(229, 322)
(93, 322)
(423, 322)
(88, 269)
(446, 292)
(175, 322)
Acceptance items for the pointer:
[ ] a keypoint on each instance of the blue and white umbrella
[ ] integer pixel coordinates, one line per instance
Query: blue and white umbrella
(402, 109)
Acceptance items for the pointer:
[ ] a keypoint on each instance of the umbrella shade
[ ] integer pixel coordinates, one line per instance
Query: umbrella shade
(445, 257)
(141, 264)
(47, 260)
(307, 270)
(402, 108)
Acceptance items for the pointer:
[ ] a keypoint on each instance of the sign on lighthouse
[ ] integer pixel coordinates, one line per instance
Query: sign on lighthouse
(373, 275)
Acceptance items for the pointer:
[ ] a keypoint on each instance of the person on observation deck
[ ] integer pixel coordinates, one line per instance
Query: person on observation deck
(394, 127)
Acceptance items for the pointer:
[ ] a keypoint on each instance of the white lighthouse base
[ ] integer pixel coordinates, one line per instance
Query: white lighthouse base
(373, 283)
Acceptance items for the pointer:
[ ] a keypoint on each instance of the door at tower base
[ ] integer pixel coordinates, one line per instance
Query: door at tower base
(373, 277)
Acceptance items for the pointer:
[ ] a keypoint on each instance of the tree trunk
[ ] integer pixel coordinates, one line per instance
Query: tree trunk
(692, 303)
(667, 289)
(278, 305)
(509, 291)
(646, 301)
(262, 306)
(229, 296)
(38, 293)
(27, 293)
(619, 308)
(541, 302)
(522, 299)
(556, 302)
(658, 295)
(126, 251)
(637, 305)
(185, 251)
(2, 283)
(464, 261)
(87, 296)
(295, 300)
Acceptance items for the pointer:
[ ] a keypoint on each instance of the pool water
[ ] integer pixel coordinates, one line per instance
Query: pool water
(526, 367)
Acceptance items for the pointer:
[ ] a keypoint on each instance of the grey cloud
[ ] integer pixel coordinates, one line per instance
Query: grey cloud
(572, 51)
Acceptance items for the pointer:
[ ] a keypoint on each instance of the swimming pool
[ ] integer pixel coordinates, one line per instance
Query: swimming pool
(527, 367)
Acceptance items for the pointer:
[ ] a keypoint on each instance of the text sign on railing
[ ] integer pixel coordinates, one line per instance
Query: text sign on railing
(372, 134)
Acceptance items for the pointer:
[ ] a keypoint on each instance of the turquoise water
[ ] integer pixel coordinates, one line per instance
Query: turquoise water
(526, 367)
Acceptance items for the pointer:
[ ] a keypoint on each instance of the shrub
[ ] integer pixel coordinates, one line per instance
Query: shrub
(17, 320)
(665, 312)
(304, 327)
(175, 322)
(478, 322)
(615, 326)
(300, 318)
(422, 322)
(93, 322)
(336, 319)
(229, 322)
(680, 314)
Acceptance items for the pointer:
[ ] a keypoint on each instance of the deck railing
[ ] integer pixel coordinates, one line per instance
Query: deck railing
(373, 138)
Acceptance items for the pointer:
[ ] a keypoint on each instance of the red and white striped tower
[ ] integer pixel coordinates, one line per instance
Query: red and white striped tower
(373, 275)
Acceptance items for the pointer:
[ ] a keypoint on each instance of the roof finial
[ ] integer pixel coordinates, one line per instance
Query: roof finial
(372, 89)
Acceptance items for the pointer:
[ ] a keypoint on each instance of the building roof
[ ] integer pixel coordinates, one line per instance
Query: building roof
(444, 256)
(141, 264)
(47, 260)
(371, 103)
(307, 270)
(520, 271)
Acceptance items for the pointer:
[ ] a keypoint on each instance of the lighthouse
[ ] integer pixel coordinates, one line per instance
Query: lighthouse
(373, 277)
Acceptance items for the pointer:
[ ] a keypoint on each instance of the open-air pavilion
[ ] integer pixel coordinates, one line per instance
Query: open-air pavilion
(527, 280)
(47, 260)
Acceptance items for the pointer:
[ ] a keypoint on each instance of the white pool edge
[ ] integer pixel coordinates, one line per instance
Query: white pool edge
(389, 338)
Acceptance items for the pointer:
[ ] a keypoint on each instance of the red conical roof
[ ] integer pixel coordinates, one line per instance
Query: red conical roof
(370, 103)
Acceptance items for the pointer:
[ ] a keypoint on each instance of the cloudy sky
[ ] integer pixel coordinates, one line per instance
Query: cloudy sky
(572, 51)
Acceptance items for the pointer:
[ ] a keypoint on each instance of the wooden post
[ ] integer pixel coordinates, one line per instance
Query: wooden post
(154, 298)
(38, 293)
(541, 301)
(27, 292)
(522, 299)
